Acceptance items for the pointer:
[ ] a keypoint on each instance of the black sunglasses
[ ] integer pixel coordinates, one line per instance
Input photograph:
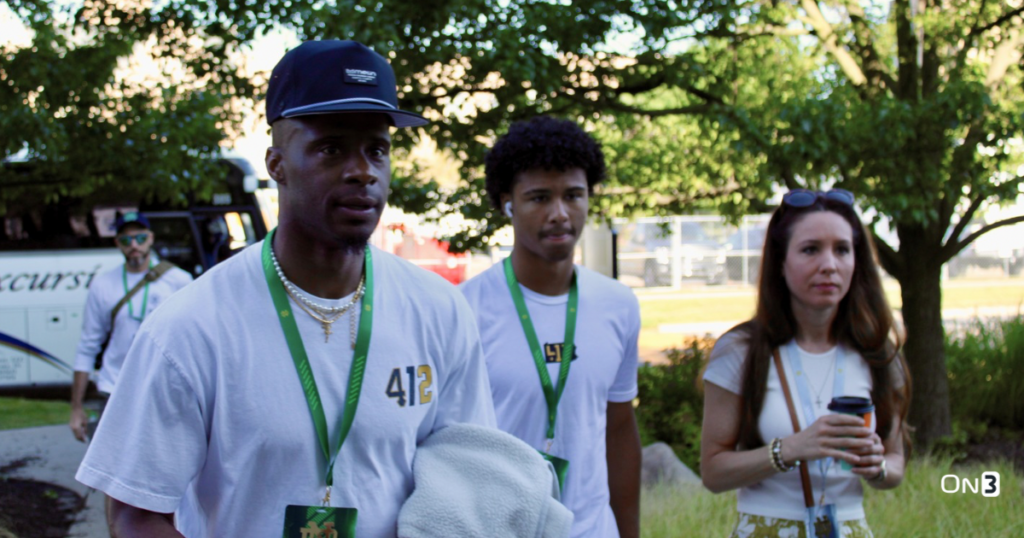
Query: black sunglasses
(139, 238)
(807, 197)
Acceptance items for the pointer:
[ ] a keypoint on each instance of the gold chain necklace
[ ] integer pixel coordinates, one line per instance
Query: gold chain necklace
(327, 321)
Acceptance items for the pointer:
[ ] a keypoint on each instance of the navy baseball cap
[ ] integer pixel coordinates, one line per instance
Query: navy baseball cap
(131, 217)
(325, 77)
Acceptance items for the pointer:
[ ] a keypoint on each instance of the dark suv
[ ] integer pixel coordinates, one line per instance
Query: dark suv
(645, 250)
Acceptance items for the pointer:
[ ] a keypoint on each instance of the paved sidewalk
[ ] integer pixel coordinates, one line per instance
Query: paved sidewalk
(57, 456)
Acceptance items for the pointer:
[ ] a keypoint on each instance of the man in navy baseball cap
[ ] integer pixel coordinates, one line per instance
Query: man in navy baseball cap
(328, 102)
(239, 412)
(131, 217)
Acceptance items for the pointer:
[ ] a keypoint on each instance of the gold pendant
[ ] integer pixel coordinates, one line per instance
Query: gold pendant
(327, 330)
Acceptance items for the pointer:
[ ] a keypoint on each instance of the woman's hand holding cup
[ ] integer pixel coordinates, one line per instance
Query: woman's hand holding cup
(855, 406)
(838, 436)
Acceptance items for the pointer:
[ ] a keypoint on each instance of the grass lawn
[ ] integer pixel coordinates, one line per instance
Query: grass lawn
(711, 304)
(918, 508)
(24, 413)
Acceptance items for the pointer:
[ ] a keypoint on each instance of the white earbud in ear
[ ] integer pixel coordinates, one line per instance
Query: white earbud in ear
(508, 209)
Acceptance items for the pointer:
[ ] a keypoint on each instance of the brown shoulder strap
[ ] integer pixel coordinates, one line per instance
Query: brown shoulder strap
(153, 275)
(805, 476)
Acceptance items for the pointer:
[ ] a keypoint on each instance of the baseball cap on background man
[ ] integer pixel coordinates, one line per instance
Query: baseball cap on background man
(330, 76)
(131, 217)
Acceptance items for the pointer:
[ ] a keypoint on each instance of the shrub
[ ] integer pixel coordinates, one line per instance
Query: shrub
(671, 398)
(985, 364)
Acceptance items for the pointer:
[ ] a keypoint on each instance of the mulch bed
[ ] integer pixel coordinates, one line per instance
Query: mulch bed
(35, 509)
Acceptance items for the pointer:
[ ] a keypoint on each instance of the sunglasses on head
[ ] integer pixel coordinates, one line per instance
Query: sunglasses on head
(139, 239)
(807, 197)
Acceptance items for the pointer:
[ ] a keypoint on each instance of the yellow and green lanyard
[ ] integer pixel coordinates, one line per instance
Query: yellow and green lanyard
(301, 360)
(552, 394)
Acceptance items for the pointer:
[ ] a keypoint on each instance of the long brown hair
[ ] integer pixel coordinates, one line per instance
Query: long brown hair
(863, 322)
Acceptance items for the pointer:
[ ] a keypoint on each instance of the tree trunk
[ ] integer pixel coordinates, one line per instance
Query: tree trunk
(925, 349)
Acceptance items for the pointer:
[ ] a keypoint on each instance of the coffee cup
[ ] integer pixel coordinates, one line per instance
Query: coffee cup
(852, 405)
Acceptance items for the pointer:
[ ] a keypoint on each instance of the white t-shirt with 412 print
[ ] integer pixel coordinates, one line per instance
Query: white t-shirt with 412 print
(781, 495)
(603, 369)
(210, 419)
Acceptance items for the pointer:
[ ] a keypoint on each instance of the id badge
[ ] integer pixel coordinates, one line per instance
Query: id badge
(821, 522)
(319, 522)
(561, 468)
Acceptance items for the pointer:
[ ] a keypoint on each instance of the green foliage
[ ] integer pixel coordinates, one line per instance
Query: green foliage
(671, 406)
(985, 364)
(111, 97)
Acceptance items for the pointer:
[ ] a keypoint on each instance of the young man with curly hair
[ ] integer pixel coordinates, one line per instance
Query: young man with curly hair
(560, 341)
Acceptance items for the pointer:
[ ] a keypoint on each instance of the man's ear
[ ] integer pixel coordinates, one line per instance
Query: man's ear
(505, 201)
(274, 167)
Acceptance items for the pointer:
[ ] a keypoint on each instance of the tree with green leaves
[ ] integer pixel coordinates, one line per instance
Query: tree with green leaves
(110, 101)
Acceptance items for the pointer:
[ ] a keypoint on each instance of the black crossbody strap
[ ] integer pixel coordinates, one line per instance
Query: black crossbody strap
(152, 276)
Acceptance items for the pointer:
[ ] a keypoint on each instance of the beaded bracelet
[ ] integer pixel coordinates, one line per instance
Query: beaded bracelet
(771, 455)
(776, 457)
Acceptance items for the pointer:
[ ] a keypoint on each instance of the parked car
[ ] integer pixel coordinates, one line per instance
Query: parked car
(749, 253)
(645, 250)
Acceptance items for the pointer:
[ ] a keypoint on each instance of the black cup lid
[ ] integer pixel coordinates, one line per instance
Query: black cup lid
(850, 404)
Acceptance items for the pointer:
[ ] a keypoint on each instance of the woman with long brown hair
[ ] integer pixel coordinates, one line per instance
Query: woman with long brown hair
(823, 323)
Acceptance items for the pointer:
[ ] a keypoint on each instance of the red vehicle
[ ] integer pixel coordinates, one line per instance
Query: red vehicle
(430, 254)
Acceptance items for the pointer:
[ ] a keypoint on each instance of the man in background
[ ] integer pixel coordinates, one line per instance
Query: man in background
(118, 302)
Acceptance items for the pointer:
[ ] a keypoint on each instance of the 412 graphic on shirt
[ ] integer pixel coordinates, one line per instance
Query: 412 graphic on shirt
(553, 353)
(397, 390)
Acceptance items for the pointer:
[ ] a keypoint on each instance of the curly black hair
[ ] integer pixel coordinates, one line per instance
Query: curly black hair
(541, 143)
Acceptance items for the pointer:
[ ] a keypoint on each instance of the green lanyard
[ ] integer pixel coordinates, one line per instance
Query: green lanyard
(298, 352)
(145, 292)
(551, 394)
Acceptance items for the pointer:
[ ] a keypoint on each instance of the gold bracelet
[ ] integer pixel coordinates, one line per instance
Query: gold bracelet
(778, 463)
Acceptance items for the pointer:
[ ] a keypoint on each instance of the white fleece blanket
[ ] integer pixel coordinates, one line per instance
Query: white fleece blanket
(476, 482)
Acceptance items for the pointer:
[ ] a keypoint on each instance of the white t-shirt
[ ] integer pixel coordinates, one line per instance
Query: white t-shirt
(210, 419)
(105, 292)
(781, 495)
(604, 370)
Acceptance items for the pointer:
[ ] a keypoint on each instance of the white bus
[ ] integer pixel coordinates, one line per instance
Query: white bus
(50, 253)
